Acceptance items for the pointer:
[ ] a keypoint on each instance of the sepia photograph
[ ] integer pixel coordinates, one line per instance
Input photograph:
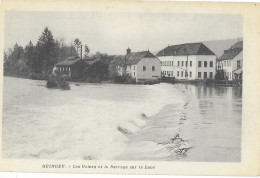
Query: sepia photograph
(122, 86)
(93, 86)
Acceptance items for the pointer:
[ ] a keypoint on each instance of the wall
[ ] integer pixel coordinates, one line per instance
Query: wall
(207, 69)
(148, 74)
(172, 66)
(239, 57)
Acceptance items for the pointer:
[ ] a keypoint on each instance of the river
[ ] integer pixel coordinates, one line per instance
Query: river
(121, 122)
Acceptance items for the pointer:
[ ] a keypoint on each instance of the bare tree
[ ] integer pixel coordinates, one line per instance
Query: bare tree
(87, 50)
(77, 44)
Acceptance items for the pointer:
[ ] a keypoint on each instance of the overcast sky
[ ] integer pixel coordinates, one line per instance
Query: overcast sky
(112, 33)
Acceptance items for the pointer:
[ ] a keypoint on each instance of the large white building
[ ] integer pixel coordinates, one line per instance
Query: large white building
(188, 61)
(231, 62)
(139, 65)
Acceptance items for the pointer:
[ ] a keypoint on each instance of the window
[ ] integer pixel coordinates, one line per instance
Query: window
(190, 63)
(69, 68)
(172, 63)
(178, 73)
(153, 68)
(186, 63)
(134, 74)
(211, 75)
(205, 74)
(199, 64)
(211, 64)
(178, 63)
(182, 73)
(190, 74)
(205, 63)
(181, 63)
(238, 64)
(199, 74)
(144, 68)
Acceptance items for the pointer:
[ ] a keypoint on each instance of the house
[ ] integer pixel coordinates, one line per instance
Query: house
(95, 70)
(71, 68)
(231, 62)
(141, 66)
(188, 61)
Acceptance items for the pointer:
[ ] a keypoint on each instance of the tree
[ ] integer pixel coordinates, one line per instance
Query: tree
(77, 44)
(46, 52)
(29, 55)
(11, 64)
(87, 50)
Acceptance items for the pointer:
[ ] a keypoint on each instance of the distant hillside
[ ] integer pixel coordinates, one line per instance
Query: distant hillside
(219, 46)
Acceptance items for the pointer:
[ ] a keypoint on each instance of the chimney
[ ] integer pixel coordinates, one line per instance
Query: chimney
(128, 50)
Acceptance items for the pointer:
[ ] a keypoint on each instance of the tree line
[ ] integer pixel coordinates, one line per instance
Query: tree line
(40, 58)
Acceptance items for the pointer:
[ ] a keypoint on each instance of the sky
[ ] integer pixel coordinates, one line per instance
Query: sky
(113, 33)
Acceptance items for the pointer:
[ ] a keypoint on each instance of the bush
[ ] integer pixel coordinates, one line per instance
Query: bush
(124, 79)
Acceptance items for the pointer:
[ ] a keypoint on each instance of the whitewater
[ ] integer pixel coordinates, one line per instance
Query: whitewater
(119, 122)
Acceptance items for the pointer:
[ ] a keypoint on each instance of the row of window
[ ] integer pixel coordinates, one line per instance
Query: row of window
(168, 73)
(63, 68)
(186, 74)
(181, 63)
(205, 75)
(185, 63)
(182, 73)
(144, 68)
(228, 63)
(167, 63)
(205, 63)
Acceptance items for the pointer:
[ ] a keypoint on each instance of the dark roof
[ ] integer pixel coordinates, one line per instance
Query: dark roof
(69, 61)
(185, 49)
(119, 60)
(90, 62)
(132, 58)
(135, 57)
(232, 52)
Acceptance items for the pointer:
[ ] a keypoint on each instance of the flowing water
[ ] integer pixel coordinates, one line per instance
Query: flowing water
(121, 122)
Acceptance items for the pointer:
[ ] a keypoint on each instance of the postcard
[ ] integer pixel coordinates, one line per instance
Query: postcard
(130, 87)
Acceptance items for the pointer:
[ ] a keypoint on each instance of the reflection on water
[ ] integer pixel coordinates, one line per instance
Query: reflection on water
(208, 124)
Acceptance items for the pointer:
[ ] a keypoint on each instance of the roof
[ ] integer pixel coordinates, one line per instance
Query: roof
(132, 58)
(90, 62)
(119, 60)
(232, 52)
(185, 49)
(69, 61)
(238, 71)
(135, 57)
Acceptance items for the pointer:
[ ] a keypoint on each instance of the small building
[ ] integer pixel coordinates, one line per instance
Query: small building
(71, 68)
(141, 66)
(95, 70)
(188, 61)
(231, 62)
